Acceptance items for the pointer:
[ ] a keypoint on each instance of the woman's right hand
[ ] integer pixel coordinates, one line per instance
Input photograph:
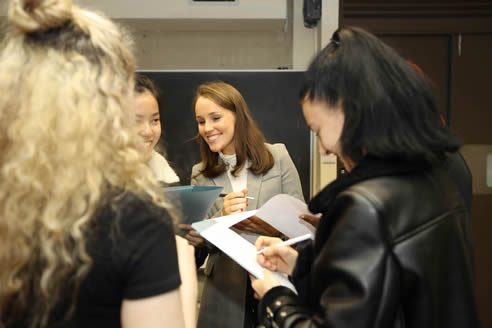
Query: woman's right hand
(235, 202)
(192, 236)
(281, 258)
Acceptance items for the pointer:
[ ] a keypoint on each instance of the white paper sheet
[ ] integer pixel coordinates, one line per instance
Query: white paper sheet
(281, 211)
(241, 251)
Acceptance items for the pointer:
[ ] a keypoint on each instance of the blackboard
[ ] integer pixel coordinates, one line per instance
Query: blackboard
(272, 97)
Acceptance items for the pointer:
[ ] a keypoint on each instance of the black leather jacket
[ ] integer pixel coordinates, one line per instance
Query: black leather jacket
(391, 250)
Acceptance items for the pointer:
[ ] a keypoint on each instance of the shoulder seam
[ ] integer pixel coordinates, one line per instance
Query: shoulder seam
(377, 205)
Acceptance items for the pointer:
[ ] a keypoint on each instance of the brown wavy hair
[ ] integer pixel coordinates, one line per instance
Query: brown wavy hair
(67, 147)
(249, 142)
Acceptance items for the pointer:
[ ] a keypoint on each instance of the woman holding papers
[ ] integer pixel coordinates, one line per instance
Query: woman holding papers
(390, 249)
(234, 155)
(86, 240)
(149, 128)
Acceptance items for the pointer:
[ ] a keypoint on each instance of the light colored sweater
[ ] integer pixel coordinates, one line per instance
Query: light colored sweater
(161, 169)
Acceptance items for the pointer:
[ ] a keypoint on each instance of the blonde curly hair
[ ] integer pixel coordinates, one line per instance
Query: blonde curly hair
(67, 141)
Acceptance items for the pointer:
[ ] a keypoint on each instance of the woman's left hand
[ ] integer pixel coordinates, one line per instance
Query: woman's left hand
(262, 286)
(192, 236)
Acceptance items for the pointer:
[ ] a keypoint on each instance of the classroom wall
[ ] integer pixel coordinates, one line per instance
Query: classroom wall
(180, 34)
(241, 46)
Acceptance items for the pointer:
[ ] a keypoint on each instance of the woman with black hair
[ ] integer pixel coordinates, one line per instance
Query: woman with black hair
(390, 249)
(147, 100)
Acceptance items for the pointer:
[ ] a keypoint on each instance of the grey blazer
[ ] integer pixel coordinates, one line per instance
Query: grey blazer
(224, 293)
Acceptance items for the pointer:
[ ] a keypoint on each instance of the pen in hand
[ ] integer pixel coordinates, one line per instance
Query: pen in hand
(223, 195)
(289, 242)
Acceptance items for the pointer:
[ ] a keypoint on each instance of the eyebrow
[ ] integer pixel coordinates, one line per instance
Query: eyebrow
(209, 114)
(153, 115)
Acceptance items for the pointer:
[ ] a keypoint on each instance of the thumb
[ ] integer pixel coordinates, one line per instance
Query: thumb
(274, 251)
(244, 191)
(252, 277)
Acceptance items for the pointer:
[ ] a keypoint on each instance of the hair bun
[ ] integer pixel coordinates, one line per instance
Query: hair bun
(39, 15)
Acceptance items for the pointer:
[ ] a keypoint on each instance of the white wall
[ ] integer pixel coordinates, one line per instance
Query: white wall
(187, 9)
(158, 46)
(180, 34)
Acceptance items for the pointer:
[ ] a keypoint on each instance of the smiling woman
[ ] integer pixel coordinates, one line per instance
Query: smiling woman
(149, 128)
(236, 156)
(326, 121)
(215, 125)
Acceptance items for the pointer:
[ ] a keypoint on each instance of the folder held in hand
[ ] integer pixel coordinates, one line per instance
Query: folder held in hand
(193, 202)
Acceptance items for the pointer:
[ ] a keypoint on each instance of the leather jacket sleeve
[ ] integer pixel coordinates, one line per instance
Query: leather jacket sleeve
(348, 281)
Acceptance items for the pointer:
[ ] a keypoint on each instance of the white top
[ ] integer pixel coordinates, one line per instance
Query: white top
(161, 169)
(241, 181)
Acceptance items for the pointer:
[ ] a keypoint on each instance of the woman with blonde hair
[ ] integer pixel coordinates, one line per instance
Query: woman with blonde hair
(85, 238)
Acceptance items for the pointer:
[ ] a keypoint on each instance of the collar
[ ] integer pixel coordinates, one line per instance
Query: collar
(369, 167)
(229, 160)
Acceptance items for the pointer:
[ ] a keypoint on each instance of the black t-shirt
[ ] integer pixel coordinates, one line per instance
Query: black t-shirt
(134, 256)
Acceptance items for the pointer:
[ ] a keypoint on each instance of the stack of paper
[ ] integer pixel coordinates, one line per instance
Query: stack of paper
(281, 211)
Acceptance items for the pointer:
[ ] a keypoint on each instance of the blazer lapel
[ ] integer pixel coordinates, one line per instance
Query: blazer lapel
(223, 180)
(254, 186)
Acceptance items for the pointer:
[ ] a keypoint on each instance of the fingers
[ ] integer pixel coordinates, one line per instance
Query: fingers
(234, 205)
(311, 219)
(253, 283)
(192, 237)
(264, 241)
(253, 278)
(281, 251)
(235, 202)
(261, 286)
(270, 263)
(186, 227)
(195, 239)
(235, 194)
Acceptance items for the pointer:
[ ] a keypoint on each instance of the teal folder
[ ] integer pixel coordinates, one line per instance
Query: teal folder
(192, 202)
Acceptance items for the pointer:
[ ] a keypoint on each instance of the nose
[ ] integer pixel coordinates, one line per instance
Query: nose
(207, 126)
(145, 130)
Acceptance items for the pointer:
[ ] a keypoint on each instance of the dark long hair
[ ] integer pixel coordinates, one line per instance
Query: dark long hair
(249, 142)
(390, 109)
(143, 84)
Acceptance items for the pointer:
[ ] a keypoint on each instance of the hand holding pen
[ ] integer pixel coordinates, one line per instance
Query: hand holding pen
(224, 195)
(288, 242)
(235, 202)
(280, 258)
